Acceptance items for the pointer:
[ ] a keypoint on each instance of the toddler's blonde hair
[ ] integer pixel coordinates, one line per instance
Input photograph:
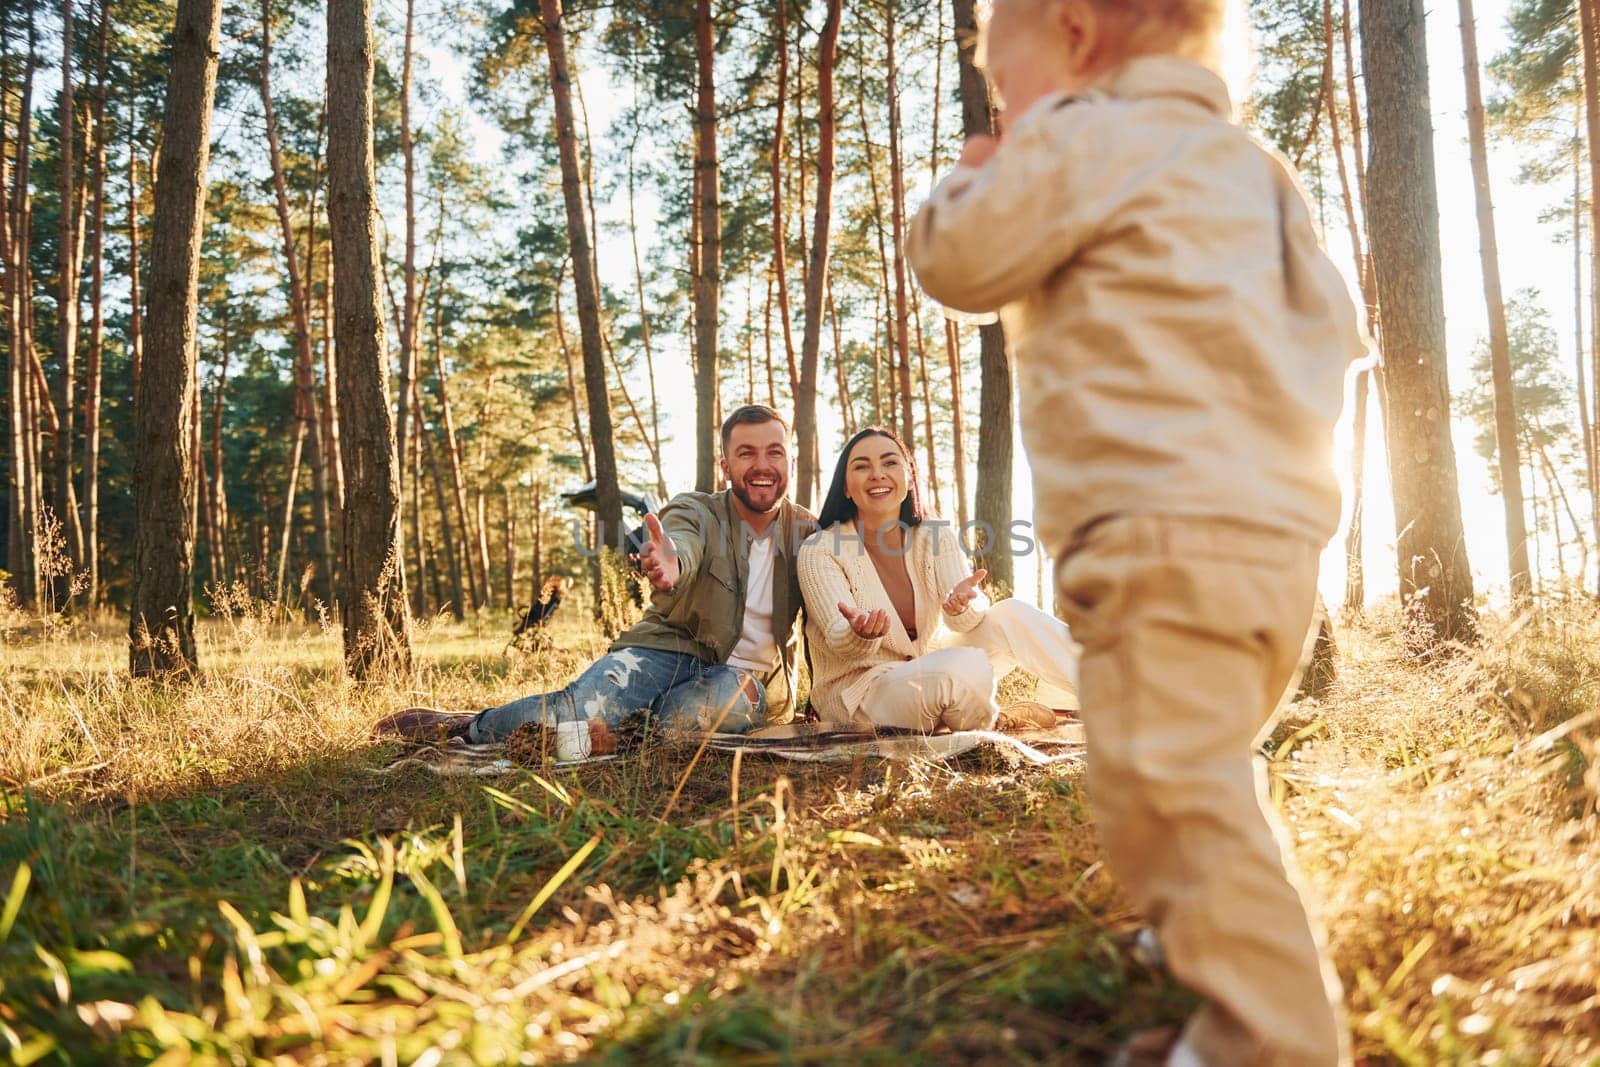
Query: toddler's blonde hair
(1194, 29)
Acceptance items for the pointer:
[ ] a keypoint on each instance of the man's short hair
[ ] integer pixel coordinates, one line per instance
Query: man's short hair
(750, 415)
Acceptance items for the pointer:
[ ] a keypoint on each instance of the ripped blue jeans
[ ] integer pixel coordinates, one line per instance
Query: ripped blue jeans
(675, 689)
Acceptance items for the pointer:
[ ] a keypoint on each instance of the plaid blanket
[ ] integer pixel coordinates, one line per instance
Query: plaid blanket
(805, 742)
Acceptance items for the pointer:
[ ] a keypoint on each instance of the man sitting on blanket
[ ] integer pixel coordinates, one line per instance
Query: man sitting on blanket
(715, 650)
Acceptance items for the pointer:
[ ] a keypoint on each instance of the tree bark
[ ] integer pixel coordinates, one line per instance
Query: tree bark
(1435, 578)
(22, 547)
(135, 294)
(897, 224)
(995, 434)
(805, 401)
(377, 628)
(1589, 32)
(452, 449)
(409, 310)
(780, 269)
(608, 499)
(161, 627)
(952, 343)
(1581, 371)
(93, 382)
(1505, 409)
(708, 263)
(458, 602)
(64, 497)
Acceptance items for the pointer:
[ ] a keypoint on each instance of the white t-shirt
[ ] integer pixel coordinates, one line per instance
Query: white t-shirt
(757, 649)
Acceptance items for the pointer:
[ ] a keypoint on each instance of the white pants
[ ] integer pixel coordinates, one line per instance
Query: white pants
(953, 685)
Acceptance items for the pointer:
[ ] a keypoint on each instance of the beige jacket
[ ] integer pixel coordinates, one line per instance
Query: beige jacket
(833, 566)
(1181, 339)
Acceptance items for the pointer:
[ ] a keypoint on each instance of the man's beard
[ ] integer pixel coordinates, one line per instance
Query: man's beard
(780, 488)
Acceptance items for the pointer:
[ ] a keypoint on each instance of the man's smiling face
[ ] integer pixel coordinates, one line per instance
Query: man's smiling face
(756, 463)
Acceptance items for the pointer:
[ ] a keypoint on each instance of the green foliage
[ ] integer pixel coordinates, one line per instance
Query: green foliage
(1542, 390)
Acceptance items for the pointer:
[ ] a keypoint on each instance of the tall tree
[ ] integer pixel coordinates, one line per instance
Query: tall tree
(805, 401)
(608, 498)
(708, 258)
(410, 310)
(377, 628)
(64, 500)
(23, 527)
(995, 433)
(1435, 579)
(1505, 410)
(92, 386)
(161, 623)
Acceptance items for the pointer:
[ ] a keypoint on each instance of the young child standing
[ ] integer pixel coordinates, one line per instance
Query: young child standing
(1181, 343)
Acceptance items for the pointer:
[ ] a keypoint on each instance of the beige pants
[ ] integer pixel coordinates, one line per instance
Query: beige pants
(953, 685)
(1192, 631)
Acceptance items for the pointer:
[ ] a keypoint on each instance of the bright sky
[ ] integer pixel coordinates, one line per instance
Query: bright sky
(1529, 257)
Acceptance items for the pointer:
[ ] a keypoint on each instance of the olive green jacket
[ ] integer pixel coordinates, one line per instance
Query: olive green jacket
(703, 615)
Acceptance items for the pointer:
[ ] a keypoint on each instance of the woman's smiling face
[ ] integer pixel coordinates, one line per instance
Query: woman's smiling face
(876, 477)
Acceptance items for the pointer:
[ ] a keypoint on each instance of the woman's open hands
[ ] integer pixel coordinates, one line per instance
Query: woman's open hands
(965, 592)
(866, 624)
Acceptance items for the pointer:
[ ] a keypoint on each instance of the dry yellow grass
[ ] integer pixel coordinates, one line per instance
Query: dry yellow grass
(270, 898)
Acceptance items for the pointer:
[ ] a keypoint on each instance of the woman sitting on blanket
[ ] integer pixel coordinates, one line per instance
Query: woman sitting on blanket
(899, 633)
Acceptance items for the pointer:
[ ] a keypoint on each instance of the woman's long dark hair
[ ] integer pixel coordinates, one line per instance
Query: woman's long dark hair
(837, 507)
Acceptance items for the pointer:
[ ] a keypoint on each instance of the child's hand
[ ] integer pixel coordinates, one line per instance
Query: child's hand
(977, 150)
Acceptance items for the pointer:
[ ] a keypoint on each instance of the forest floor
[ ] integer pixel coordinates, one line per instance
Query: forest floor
(218, 872)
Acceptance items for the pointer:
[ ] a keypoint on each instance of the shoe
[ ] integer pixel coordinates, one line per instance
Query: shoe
(426, 724)
(1026, 715)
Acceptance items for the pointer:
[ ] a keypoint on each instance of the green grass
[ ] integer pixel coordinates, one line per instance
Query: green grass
(219, 873)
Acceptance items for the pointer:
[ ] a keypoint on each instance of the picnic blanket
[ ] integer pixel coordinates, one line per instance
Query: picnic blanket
(804, 742)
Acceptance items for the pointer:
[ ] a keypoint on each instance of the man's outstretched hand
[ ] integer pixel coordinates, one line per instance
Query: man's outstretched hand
(965, 592)
(866, 624)
(658, 559)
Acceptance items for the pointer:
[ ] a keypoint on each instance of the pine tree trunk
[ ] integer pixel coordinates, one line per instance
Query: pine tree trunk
(572, 378)
(22, 540)
(805, 400)
(64, 496)
(780, 269)
(409, 310)
(1589, 32)
(608, 500)
(330, 393)
(509, 526)
(161, 627)
(995, 434)
(452, 449)
(1581, 370)
(377, 627)
(481, 525)
(93, 383)
(217, 502)
(1505, 409)
(897, 223)
(708, 275)
(1435, 578)
(458, 601)
(952, 343)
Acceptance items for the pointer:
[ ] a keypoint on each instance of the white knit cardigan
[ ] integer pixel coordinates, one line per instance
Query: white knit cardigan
(834, 566)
